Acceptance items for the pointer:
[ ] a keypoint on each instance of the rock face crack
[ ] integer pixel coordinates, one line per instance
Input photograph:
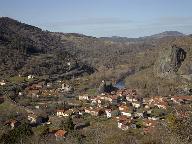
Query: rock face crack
(178, 56)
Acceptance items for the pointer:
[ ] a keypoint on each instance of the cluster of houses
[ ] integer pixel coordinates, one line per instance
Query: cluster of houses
(125, 106)
(47, 89)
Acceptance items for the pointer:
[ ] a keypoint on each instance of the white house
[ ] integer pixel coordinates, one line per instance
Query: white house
(126, 113)
(138, 114)
(30, 76)
(136, 104)
(123, 126)
(60, 113)
(2, 83)
(108, 113)
(84, 97)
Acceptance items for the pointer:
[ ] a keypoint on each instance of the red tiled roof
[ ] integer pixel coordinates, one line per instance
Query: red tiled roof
(147, 122)
(60, 133)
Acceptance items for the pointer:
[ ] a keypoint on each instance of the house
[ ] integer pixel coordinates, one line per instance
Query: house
(60, 113)
(114, 99)
(68, 113)
(123, 122)
(149, 123)
(87, 110)
(36, 120)
(60, 135)
(158, 101)
(136, 104)
(94, 111)
(97, 101)
(138, 114)
(123, 125)
(126, 113)
(49, 85)
(125, 110)
(84, 97)
(110, 113)
(32, 118)
(81, 112)
(20, 94)
(123, 107)
(66, 87)
(2, 82)
(30, 76)
(131, 98)
(12, 123)
(153, 118)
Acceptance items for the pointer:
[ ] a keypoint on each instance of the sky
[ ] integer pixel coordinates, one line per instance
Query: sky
(103, 18)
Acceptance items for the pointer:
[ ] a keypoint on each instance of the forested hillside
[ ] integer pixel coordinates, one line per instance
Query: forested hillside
(26, 49)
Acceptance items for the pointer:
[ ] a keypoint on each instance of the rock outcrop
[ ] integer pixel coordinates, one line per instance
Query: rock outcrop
(170, 62)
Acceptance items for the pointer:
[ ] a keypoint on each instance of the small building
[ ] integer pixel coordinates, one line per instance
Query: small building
(84, 97)
(149, 123)
(60, 135)
(136, 104)
(66, 87)
(94, 111)
(36, 120)
(12, 123)
(68, 113)
(2, 82)
(30, 76)
(138, 114)
(60, 113)
(158, 101)
(110, 113)
(123, 122)
(49, 85)
(125, 110)
(20, 94)
(123, 107)
(126, 113)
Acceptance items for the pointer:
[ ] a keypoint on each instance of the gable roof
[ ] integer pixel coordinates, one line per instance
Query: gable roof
(60, 133)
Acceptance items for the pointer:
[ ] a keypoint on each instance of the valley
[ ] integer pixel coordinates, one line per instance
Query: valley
(72, 88)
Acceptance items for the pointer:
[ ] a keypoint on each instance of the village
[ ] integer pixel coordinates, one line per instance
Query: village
(126, 107)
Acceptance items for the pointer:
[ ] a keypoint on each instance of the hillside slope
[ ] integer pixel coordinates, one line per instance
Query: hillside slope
(26, 49)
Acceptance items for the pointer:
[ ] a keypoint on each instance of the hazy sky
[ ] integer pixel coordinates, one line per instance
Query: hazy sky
(131, 18)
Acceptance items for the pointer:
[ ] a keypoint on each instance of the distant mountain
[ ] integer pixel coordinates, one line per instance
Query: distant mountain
(25, 49)
(167, 34)
(141, 39)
